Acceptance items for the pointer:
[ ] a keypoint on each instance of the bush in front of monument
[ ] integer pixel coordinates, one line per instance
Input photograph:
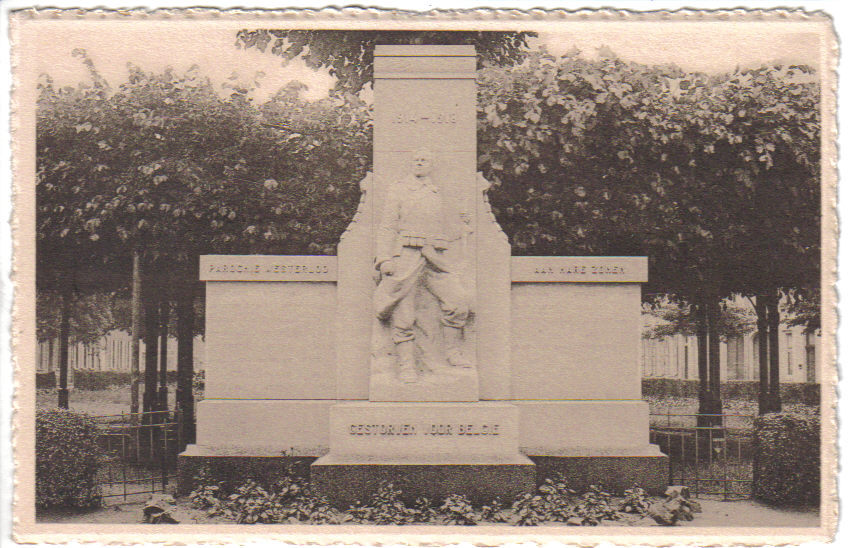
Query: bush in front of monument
(787, 459)
(292, 500)
(67, 459)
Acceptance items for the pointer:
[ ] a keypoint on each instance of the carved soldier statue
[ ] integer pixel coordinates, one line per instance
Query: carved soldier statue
(415, 231)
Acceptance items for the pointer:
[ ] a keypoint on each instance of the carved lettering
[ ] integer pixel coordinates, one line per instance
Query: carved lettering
(416, 118)
(432, 429)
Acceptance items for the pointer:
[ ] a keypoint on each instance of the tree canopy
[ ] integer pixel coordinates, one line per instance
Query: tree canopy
(349, 55)
(714, 177)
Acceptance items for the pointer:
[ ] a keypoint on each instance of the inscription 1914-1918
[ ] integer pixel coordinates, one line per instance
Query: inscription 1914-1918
(424, 429)
(412, 118)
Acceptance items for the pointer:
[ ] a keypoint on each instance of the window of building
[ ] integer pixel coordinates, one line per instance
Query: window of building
(736, 365)
(811, 356)
(788, 344)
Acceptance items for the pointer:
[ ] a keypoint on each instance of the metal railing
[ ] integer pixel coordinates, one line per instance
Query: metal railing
(712, 454)
(142, 452)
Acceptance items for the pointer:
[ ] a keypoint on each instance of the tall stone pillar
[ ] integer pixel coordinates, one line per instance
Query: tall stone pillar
(433, 427)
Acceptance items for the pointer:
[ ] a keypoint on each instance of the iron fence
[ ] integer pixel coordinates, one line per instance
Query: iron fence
(712, 454)
(141, 452)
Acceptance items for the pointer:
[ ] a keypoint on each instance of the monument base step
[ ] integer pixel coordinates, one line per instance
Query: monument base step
(614, 471)
(349, 479)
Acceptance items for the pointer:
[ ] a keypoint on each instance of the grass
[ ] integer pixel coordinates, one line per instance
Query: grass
(112, 401)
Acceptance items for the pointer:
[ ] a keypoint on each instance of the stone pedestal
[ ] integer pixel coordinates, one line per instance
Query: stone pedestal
(425, 449)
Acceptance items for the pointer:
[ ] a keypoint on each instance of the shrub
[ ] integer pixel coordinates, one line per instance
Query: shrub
(807, 393)
(558, 498)
(636, 501)
(457, 510)
(67, 459)
(424, 511)
(595, 505)
(100, 380)
(530, 509)
(311, 508)
(386, 507)
(494, 512)
(208, 497)
(45, 380)
(250, 503)
(253, 504)
(787, 459)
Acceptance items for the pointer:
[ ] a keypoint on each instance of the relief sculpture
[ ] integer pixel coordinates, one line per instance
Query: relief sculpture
(418, 252)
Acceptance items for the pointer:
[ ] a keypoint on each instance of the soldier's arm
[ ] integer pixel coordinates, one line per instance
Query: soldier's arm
(387, 231)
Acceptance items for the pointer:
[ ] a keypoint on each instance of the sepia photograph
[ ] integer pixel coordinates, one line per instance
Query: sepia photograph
(552, 275)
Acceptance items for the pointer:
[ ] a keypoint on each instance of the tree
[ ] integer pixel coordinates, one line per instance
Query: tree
(678, 319)
(715, 178)
(166, 169)
(349, 55)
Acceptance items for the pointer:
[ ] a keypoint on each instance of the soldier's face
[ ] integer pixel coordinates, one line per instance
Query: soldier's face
(422, 164)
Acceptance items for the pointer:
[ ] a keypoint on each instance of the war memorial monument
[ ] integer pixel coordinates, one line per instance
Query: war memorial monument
(424, 353)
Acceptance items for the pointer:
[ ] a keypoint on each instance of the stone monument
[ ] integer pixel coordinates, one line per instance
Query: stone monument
(424, 353)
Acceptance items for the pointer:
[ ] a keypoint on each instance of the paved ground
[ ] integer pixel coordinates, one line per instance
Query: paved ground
(715, 514)
(746, 513)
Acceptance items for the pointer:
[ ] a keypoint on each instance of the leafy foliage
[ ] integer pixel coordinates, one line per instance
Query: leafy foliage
(385, 507)
(164, 163)
(715, 178)
(207, 497)
(787, 458)
(91, 316)
(67, 459)
(558, 498)
(636, 501)
(288, 502)
(253, 504)
(457, 510)
(349, 55)
(494, 512)
(594, 506)
(530, 509)
(292, 500)
(679, 318)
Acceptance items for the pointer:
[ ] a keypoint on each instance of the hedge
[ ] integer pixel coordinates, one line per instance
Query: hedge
(787, 459)
(67, 459)
(45, 380)
(791, 392)
(102, 380)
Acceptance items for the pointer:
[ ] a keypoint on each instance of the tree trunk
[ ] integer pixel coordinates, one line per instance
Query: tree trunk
(164, 316)
(763, 355)
(774, 372)
(713, 360)
(64, 335)
(702, 349)
(151, 336)
(185, 353)
(136, 329)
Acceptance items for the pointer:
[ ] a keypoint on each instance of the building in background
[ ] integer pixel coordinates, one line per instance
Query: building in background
(113, 352)
(676, 357)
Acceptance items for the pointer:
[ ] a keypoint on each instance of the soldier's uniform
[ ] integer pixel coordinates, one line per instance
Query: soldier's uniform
(415, 230)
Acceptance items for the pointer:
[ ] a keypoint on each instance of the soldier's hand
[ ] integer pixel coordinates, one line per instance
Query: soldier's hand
(387, 268)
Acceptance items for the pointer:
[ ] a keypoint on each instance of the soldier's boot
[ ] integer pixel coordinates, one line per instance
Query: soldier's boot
(406, 351)
(453, 348)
